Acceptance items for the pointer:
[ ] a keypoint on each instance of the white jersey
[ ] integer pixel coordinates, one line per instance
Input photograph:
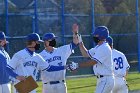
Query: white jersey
(58, 57)
(120, 63)
(103, 55)
(25, 64)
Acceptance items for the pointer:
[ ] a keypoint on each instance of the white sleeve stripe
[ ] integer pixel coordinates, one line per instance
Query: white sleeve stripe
(10, 67)
(71, 48)
(89, 55)
(46, 68)
(97, 60)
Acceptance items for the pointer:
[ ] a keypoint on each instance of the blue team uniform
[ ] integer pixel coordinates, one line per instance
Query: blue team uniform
(4, 58)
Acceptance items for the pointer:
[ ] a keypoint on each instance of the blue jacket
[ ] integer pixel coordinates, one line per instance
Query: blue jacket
(4, 58)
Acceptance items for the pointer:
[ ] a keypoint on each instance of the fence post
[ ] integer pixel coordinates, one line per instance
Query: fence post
(6, 22)
(63, 21)
(93, 21)
(35, 16)
(138, 33)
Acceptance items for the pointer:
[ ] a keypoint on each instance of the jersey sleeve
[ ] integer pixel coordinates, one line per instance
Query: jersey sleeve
(67, 50)
(43, 65)
(127, 66)
(91, 52)
(98, 55)
(14, 62)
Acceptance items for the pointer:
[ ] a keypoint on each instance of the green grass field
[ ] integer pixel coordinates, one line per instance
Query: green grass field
(88, 84)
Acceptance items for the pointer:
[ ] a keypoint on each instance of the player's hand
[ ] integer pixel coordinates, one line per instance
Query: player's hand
(80, 38)
(75, 39)
(73, 66)
(75, 28)
(20, 78)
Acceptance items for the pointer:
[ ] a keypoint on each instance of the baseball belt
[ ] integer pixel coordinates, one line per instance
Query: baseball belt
(55, 82)
(100, 76)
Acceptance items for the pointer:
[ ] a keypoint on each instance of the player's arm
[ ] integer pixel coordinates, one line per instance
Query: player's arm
(127, 66)
(83, 49)
(13, 74)
(10, 72)
(14, 62)
(75, 41)
(127, 69)
(78, 36)
(126, 74)
(55, 68)
(87, 64)
(74, 65)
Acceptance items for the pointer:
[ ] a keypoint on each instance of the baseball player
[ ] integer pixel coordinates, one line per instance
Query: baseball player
(54, 82)
(5, 86)
(121, 68)
(101, 59)
(26, 62)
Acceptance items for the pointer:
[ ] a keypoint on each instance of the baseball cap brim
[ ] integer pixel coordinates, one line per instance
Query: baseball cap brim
(55, 37)
(40, 41)
(7, 42)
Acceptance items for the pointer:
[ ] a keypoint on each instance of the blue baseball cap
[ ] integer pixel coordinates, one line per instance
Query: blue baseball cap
(102, 32)
(2, 36)
(33, 37)
(48, 36)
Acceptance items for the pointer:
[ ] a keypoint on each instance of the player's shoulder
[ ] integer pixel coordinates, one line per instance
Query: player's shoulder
(21, 52)
(42, 52)
(117, 52)
(103, 47)
(1, 56)
(38, 57)
(63, 46)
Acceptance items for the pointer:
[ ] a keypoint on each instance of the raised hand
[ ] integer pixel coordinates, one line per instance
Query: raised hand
(75, 28)
(73, 66)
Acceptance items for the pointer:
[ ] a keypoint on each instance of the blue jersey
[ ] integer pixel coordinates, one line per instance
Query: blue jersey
(4, 59)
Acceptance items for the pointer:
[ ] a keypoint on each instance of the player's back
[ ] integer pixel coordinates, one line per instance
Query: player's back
(120, 63)
(103, 57)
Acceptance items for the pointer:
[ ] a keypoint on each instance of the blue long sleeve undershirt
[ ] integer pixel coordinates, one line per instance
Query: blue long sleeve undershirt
(55, 68)
(52, 68)
(11, 72)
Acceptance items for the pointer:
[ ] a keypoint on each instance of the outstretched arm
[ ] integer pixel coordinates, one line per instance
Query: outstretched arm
(87, 64)
(13, 74)
(74, 65)
(78, 36)
(83, 49)
(56, 68)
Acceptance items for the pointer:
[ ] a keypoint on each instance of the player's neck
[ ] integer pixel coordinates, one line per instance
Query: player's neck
(49, 49)
(31, 49)
(100, 42)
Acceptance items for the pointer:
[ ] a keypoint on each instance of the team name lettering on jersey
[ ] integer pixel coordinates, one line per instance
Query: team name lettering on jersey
(54, 59)
(30, 63)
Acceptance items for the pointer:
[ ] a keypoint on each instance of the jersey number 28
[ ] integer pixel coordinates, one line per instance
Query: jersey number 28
(118, 63)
